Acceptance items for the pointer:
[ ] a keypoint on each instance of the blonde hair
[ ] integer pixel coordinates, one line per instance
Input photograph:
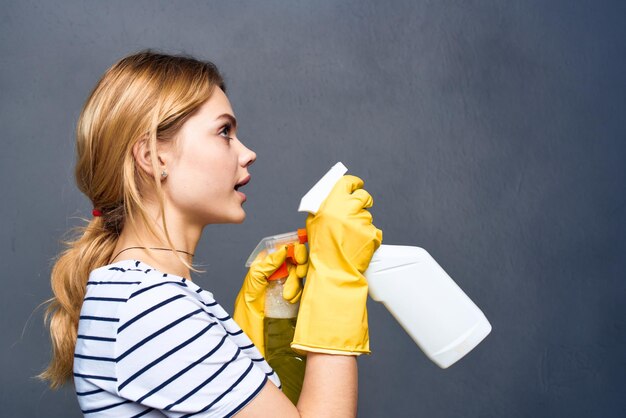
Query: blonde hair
(145, 96)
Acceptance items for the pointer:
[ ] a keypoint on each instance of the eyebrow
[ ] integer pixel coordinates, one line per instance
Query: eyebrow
(231, 119)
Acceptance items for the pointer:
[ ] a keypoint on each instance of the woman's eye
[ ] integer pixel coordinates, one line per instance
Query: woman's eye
(225, 132)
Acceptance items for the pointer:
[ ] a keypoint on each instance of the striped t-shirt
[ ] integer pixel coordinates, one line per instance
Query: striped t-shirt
(152, 345)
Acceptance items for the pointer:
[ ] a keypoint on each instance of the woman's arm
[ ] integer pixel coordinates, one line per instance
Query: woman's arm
(329, 390)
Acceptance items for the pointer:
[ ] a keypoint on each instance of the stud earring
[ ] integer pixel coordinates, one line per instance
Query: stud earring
(163, 174)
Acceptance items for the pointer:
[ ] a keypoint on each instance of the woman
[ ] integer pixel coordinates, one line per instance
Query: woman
(159, 158)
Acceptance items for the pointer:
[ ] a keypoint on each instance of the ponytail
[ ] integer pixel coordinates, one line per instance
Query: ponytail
(92, 249)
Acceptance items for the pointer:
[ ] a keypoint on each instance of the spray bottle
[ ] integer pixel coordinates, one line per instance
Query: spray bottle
(441, 319)
(279, 323)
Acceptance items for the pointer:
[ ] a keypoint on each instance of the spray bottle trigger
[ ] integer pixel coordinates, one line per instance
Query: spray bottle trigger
(283, 270)
(280, 273)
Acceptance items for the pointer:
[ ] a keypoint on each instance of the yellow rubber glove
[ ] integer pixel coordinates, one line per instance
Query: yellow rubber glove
(342, 239)
(250, 302)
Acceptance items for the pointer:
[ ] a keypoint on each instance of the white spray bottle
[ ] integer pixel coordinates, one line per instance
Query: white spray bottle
(441, 319)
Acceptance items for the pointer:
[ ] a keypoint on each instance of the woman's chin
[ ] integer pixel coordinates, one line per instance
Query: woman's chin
(238, 221)
(238, 217)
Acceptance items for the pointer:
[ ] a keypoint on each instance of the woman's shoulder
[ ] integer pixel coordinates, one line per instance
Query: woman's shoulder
(124, 270)
(133, 289)
(132, 272)
(130, 278)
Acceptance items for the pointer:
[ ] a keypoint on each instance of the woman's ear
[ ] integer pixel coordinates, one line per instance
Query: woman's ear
(142, 154)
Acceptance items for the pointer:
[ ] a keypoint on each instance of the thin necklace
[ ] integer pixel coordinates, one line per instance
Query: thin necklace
(149, 248)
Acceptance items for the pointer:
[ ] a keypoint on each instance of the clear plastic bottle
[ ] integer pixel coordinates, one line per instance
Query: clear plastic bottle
(279, 327)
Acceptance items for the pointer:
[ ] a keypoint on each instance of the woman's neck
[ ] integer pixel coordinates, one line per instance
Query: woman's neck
(184, 237)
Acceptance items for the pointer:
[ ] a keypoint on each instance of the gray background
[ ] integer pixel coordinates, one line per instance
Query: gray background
(490, 133)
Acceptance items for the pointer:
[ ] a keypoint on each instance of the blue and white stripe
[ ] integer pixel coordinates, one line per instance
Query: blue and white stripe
(151, 344)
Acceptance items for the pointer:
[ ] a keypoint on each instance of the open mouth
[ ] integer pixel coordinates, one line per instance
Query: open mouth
(242, 183)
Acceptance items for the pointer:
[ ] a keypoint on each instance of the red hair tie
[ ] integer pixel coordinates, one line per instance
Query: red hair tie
(96, 212)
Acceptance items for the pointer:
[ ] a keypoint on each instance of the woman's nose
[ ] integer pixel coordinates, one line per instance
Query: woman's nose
(247, 156)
